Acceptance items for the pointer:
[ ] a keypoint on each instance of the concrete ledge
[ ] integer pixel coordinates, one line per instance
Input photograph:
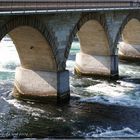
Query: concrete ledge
(129, 58)
(92, 65)
(41, 99)
(129, 52)
(40, 85)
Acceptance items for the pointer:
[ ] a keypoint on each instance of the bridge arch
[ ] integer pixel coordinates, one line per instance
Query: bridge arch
(129, 48)
(83, 20)
(34, 42)
(134, 15)
(38, 77)
(91, 30)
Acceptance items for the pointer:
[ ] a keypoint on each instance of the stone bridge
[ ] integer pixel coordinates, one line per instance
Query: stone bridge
(43, 42)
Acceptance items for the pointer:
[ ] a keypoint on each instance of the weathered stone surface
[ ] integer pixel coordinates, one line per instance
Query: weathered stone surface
(37, 85)
(131, 32)
(93, 39)
(93, 65)
(33, 49)
(129, 51)
(63, 82)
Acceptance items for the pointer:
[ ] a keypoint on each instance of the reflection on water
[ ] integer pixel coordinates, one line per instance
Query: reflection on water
(98, 107)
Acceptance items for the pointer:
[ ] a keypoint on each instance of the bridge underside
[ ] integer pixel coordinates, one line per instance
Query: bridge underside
(43, 43)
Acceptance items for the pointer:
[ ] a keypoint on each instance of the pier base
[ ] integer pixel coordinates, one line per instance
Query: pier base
(92, 65)
(41, 85)
(129, 51)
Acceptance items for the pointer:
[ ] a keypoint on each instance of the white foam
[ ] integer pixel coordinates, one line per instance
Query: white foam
(33, 110)
(124, 94)
(125, 132)
(108, 90)
(129, 84)
(8, 54)
(126, 101)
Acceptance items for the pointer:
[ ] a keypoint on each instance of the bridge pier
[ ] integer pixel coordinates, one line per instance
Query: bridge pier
(87, 64)
(95, 65)
(114, 70)
(95, 57)
(41, 86)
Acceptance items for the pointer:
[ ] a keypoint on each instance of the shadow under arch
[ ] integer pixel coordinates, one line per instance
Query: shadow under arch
(100, 18)
(35, 24)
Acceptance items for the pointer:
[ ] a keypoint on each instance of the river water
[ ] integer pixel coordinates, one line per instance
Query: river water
(98, 107)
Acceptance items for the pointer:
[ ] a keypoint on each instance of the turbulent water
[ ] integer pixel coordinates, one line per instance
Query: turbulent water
(98, 107)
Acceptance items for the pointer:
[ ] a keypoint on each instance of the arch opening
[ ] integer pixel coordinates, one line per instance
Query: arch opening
(33, 49)
(9, 58)
(93, 57)
(129, 47)
(93, 39)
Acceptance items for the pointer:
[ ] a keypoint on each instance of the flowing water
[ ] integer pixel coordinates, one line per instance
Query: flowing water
(98, 107)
